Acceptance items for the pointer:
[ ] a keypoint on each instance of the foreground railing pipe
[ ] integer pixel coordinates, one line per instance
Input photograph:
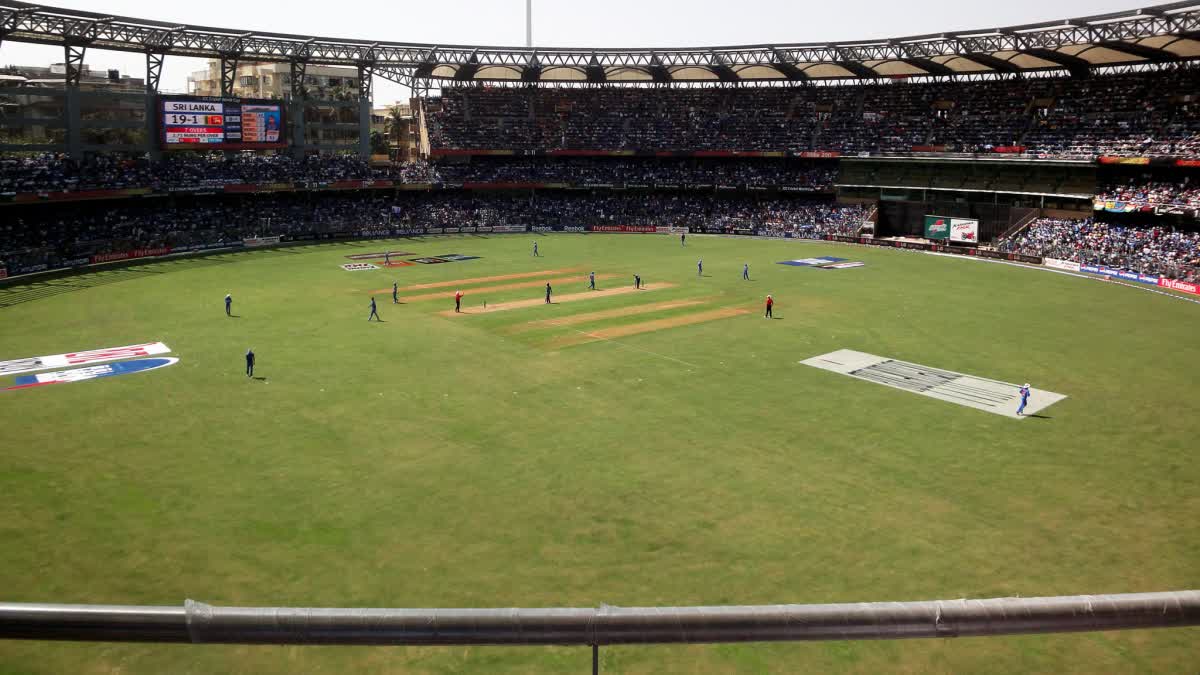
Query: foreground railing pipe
(200, 623)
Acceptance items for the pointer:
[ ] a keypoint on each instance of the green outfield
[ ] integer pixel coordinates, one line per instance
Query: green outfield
(662, 446)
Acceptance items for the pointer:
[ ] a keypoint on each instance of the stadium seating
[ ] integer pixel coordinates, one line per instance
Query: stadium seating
(1149, 250)
(1124, 114)
(53, 173)
(53, 235)
(1152, 193)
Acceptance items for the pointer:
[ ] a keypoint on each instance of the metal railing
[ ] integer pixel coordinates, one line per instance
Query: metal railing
(196, 622)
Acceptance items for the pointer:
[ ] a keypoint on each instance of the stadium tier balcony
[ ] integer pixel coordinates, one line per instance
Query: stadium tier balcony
(1121, 114)
(37, 238)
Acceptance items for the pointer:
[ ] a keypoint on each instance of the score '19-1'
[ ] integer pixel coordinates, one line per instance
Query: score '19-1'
(195, 120)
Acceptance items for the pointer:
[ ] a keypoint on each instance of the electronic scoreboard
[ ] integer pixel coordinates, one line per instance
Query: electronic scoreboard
(220, 124)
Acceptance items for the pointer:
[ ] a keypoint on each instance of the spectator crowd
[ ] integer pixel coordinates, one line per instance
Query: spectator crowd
(1152, 193)
(53, 235)
(47, 172)
(649, 171)
(1148, 250)
(57, 173)
(1148, 113)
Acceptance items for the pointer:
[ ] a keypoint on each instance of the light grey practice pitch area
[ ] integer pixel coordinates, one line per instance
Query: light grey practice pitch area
(1001, 398)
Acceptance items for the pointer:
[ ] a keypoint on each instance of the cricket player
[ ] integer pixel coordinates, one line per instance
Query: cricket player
(637, 281)
(249, 363)
(387, 257)
(1024, 399)
(548, 292)
(374, 311)
(458, 296)
(228, 304)
(770, 306)
(535, 251)
(395, 294)
(699, 268)
(746, 271)
(592, 281)
(683, 238)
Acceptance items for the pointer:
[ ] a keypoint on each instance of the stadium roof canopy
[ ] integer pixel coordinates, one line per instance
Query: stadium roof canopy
(1160, 34)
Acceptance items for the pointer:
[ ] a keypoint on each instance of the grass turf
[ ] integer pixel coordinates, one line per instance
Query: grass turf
(433, 461)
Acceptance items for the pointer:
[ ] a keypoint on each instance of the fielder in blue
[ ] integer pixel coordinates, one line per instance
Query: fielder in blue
(374, 312)
(228, 304)
(249, 363)
(535, 251)
(746, 271)
(592, 281)
(699, 268)
(1024, 399)
(395, 294)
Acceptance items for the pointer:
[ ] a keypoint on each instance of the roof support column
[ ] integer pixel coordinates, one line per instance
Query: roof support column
(366, 73)
(154, 64)
(229, 65)
(74, 63)
(298, 101)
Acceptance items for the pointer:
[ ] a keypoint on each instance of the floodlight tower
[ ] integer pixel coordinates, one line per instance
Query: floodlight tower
(529, 23)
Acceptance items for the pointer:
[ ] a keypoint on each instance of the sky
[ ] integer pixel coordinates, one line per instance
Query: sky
(563, 23)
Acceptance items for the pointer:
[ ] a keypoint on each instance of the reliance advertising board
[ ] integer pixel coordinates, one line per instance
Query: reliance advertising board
(1149, 280)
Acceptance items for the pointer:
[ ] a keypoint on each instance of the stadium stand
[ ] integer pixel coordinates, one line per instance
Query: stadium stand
(1143, 193)
(1149, 250)
(1118, 114)
(48, 236)
(54, 173)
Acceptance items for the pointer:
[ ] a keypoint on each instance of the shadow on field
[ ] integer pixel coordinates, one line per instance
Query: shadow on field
(36, 290)
(1040, 417)
(15, 295)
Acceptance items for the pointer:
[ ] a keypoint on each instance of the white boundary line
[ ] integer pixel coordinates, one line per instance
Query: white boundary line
(1078, 275)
